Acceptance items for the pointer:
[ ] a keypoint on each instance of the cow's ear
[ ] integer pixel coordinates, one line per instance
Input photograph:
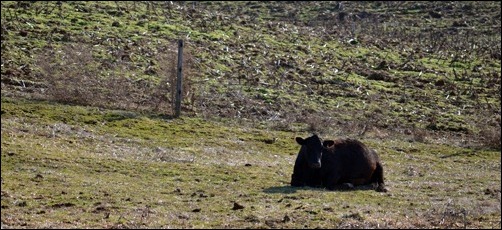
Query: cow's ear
(300, 140)
(328, 143)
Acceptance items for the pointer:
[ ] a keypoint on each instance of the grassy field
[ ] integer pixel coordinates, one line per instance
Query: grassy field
(72, 166)
(88, 139)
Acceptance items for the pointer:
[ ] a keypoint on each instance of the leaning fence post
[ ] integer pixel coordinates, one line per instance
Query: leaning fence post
(179, 78)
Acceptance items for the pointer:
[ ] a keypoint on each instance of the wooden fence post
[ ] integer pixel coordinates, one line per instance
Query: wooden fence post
(179, 79)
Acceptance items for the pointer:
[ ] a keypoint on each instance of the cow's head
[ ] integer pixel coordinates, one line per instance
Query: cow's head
(312, 148)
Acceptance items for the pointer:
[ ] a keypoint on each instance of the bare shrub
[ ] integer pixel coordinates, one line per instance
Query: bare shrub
(66, 71)
(419, 135)
(75, 76)
(490, 137)
(317, 123)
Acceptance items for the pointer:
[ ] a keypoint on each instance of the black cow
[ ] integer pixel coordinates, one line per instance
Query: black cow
(307, 169)
(336, 164)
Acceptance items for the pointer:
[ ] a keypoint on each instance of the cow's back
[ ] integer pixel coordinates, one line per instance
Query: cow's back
(348, 161)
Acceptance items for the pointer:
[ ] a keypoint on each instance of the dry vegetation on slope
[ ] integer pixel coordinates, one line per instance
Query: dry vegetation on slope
(397, 67)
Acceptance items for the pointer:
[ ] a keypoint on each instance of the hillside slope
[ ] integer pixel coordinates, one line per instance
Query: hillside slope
(398, 67)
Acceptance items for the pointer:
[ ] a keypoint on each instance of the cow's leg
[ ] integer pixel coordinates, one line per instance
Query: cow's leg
(298, 177)
(313, 177)
(331, 181)
(297, 183)
(377, 178)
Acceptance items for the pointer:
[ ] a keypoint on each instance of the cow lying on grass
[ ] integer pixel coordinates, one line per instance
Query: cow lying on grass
(336, 164)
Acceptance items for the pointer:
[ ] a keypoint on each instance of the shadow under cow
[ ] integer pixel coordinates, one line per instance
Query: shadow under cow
(287, 189)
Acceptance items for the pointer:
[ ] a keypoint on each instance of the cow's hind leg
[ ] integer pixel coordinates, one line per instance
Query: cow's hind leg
(335, 183)
(377, 179)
